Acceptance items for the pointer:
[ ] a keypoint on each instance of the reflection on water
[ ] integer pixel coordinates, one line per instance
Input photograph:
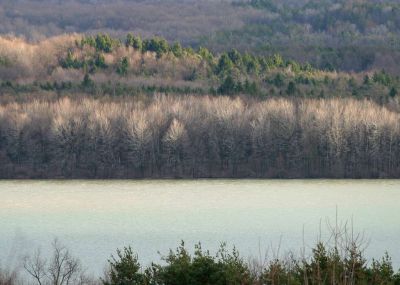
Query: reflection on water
(93, 218)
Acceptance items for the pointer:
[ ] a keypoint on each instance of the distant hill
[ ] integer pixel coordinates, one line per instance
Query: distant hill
(330, 34)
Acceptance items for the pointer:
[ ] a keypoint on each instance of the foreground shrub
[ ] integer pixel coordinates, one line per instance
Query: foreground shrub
(339, 260)
(326, 265)
(125, 269)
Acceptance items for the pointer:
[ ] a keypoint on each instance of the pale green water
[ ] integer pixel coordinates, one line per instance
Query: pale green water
(93, 218)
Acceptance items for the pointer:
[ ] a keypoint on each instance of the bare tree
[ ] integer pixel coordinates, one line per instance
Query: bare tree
(36, 266)
(60, 269)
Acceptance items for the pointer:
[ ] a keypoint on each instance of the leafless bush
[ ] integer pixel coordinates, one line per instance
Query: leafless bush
(7, 277)
(27, 62)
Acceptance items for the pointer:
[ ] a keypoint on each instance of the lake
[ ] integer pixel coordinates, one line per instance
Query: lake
(94, 218)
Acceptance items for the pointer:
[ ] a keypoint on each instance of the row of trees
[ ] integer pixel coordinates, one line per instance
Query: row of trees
(61, 64)
(199, 137)
(339, 260)
(105, 43)
(221, 64)
(235, 72)
(342, 263)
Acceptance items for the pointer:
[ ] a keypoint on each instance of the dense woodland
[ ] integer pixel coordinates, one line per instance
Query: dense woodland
(330, 34)
(202, 89)
(102, 65)
(191, 136)
(116, 104)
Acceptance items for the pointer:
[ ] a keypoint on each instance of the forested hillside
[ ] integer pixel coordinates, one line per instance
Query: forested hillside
(330, 34)
(102, 65)
(257, 88)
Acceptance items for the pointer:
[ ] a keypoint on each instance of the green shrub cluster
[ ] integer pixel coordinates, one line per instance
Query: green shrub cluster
(97, 61)
(325, 266)
(255, 65)
(382, 78)
(101, 42)
(230, 72)
(226, 63)
(158, 45)
(230, 86)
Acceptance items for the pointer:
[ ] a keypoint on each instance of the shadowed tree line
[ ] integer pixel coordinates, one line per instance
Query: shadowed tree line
(171, 136)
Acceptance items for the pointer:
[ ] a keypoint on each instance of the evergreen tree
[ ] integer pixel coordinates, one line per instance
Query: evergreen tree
(135, 42)
(367, 81)
(100, 61)
(125, 269)
(228, 86)
(177, 49)
(206, 54)
(291, 89)
(158, 45)
(393, 92)
(123, 66)
(87, 81)
(235, 57)
(105, 43)
(225, 64)
(278, 80)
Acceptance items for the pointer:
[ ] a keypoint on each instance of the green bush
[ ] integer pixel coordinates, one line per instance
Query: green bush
(382, 78)
(123, 65)
(100, 61)
(393, 92)
(291, 89)
(206, 54)
(327, 265)
(101, 42)
(225, 65)
(125, 269)
(228, 86)
(177, 49)
(71, 62)
(202, 268)
(158, 45)
(135, 42)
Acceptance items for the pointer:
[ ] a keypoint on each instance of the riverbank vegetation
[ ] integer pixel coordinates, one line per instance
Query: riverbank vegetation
(339, 261)
(199, 136)
(326, 265)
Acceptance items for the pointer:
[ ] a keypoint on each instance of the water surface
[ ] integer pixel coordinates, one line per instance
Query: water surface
(93, 218)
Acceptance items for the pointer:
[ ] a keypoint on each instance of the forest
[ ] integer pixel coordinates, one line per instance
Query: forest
(193, 89)
(114, 101)
(102, 65)
(330, 34)
(194, 137)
